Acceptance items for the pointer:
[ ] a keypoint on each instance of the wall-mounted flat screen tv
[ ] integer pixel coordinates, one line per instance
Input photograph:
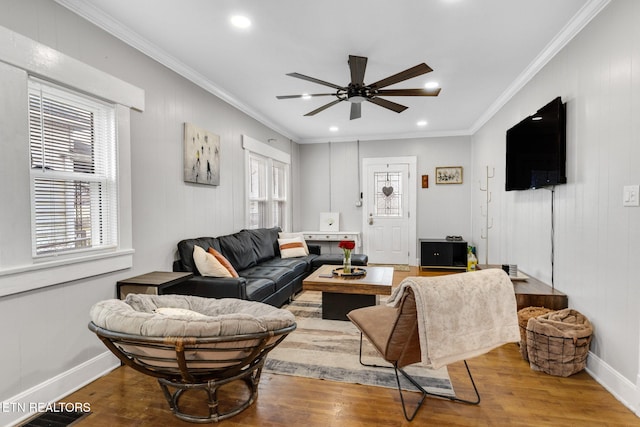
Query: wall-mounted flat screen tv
(536, 149)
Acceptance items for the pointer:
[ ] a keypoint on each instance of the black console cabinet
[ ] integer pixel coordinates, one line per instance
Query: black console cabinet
(441, 253)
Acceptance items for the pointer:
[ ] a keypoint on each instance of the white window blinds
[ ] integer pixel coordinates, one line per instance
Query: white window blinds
(73, 171)
(257, 191)
(267, 187)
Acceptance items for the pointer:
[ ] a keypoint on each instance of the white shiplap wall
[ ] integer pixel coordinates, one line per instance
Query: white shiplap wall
(48, 350)
(596, 238)
(330, 182)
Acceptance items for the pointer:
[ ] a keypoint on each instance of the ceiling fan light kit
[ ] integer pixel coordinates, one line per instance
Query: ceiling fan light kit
(357, 92)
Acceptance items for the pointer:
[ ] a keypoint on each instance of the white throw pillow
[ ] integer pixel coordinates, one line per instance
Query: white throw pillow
(291, 248)
(285, 235)
(207, 264)
(181, 312)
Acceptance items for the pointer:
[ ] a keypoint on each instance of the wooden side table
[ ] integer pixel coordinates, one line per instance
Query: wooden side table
(150, 283)
(534, 293)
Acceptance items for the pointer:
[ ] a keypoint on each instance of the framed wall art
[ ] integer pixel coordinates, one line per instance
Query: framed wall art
(329, 221)
(449, 175)
(201, 156)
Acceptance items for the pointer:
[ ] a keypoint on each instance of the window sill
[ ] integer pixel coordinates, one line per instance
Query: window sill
(49, 273)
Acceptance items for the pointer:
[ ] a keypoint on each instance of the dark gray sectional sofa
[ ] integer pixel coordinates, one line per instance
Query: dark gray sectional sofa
(255, 255)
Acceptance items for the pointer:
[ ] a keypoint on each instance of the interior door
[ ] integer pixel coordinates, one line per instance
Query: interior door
(386, 209)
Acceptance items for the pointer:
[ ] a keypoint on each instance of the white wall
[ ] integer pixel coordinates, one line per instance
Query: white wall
(596, 238)
(330, 182)
(45, 331)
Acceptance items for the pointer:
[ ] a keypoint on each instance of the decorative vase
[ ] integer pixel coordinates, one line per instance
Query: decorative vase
(346, 267)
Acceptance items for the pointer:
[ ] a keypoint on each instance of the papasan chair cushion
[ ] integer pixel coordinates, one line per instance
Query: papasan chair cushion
(148, 315)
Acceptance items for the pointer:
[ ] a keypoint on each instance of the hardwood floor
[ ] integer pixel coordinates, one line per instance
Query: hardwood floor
(512, 395)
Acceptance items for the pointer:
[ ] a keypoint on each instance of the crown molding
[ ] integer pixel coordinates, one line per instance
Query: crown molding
(386, 136)
(135, 40)
(568, 32)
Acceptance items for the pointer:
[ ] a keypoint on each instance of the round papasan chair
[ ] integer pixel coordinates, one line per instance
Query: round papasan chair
(193, 343)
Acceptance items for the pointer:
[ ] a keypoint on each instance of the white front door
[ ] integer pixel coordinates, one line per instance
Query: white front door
(387, 218)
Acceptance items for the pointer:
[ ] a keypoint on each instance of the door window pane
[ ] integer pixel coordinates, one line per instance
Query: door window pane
(388, 194)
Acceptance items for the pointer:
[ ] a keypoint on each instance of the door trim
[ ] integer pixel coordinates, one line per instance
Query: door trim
(412, 188)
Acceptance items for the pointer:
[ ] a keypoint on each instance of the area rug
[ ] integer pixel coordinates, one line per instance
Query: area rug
(328, 350)
(396, 267)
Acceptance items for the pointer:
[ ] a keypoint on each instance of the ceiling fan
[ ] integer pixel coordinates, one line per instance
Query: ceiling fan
(356, 92)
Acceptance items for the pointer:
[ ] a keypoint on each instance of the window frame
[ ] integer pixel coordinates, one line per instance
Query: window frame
(273, 159)
(20, 58)
(103, 171)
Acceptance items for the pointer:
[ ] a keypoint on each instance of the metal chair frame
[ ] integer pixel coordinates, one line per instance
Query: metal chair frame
(422, 390)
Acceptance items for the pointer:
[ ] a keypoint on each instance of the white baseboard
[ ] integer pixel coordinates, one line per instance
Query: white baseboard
(620, 387)
(24, 405)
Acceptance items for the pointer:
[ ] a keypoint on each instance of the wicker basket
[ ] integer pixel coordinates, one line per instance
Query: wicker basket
(523, 317)
(558, 342)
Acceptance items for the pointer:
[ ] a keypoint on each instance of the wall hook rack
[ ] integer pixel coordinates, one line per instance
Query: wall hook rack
(484, 233)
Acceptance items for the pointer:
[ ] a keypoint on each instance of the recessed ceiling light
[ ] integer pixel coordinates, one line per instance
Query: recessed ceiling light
(333, 128)
(240, 21)
(422, 123)
(306, 96)
(431, 85)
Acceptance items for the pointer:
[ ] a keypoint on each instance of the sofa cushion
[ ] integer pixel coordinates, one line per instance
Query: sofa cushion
(286, 235)
(337, 259)
(225, 262)
(291, 248)
(207, 264)
(238, 249)
(264, 242)
(185, 250)
(298, 265)
(281, 276)
(260, 289)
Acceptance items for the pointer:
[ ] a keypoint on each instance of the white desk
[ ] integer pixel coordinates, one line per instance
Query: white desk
(332, 236)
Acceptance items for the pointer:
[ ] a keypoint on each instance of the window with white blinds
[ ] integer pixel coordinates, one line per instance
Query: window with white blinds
(72, 140)
(268, 181)
(257, 192)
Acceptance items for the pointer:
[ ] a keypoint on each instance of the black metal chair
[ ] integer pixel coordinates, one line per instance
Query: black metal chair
(393, 331)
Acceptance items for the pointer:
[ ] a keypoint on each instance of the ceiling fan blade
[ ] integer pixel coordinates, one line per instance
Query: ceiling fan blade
(388, 104)
(357, 65)
(356, 111)
(303, 96)
(408, 92)
(314, 80)
(410, 73)
(324, 107)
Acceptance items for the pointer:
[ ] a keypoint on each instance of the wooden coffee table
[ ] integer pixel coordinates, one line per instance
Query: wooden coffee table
(340, 295)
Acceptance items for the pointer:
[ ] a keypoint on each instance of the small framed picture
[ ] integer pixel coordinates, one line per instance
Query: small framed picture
(329, 221)
(449, 175)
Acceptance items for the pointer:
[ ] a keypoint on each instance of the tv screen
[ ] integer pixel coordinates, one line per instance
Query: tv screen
(536, 149)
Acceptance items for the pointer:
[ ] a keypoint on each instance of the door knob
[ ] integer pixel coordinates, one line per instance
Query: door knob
(370, 219)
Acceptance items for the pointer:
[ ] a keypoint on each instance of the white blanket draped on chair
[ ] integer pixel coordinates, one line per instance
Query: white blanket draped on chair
(461, 316)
